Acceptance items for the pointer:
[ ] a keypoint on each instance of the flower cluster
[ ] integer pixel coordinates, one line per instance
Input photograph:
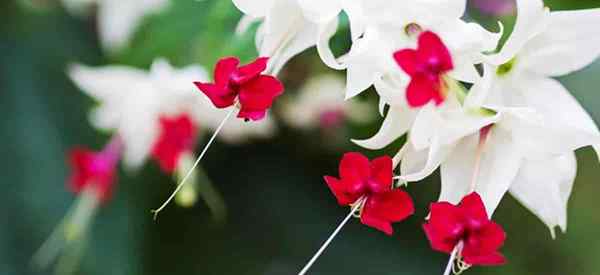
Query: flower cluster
(491, 116)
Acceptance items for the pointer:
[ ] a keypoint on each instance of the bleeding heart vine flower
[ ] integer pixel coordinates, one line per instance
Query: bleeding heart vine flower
(465, 232)
(93, 179)
(244, 87)
(367, 186)
(253, 91)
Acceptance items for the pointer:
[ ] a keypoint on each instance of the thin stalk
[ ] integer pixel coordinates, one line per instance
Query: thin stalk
(312, 260)
(189, 173)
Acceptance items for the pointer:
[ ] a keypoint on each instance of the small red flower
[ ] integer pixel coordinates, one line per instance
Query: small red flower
(468, 223)
(373, 180)
(254, 91)
(94, 169)
(426, 66)
(176, 137)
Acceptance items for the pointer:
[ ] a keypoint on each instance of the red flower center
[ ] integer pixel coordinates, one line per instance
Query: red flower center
(426, 66)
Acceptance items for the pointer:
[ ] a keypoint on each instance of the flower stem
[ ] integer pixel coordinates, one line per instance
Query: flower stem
(312, 260)
(189, 173)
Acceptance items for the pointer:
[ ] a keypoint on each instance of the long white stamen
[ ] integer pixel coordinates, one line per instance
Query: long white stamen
(356, 207)
(451, 260)
(189, 173)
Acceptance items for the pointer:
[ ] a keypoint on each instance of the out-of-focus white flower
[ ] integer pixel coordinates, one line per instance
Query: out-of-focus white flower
(320, 103)
(131, 102)
(117, 19)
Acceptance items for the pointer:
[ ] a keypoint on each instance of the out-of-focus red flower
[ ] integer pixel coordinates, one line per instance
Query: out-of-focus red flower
(468, 223)
(95, 169)
(177, 136)
(255, 92)
(372, 181)
(426, 66)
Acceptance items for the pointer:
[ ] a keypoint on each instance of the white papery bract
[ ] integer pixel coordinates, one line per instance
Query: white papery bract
(131, 102)
(117, 19)
(320, 97)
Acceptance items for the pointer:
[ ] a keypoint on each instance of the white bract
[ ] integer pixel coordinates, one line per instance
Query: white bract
(131, 101)
(117, 19)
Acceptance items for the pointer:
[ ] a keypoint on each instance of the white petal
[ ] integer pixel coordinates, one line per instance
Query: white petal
(544, 188)
(244, 24)
(327, 31)
(286, 33)
(118, 20)
(480, 90)
(396, 123)
(531, 20)
(391, 89)
(540, 137)
(550, 98)
(418, 164)
(499, 165)
(255, 8)
(106, 82)
(320, 11)
(571, 42)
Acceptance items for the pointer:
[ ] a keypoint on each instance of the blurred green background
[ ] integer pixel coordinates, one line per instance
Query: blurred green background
(279, 209)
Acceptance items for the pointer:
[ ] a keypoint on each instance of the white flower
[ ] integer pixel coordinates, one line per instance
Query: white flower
(389, 26)
(117, 19)
(131, 101)
(320, 100)
(291, 26)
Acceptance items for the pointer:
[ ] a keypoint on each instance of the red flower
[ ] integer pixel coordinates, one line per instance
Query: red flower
(94, 169)
(426, 65)
(372, 180)
(254, 91)
(176, 137)
(468, 223)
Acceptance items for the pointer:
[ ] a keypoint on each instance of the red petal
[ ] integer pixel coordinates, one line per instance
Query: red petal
(340, 191)
(431, 48)
(421, 90)
(260, 93)
(250, 114)
(220, 96)
(484, 241)
(474, 211)
(224, 69)
(446, 220)
(393, 206)
(247, 72)
(438, 241)
(485, 260)
(355, 170)
(407, 60)
(377, 223)
(382, 174)
(79, 160)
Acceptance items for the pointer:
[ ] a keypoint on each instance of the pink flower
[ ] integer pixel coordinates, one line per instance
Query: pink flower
(372, 181)
(426, 66)
(176, 137)
(95, 169)
(254, 91)
(468, 223)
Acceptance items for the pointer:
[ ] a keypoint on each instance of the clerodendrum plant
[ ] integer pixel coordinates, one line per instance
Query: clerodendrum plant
(494, 121)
